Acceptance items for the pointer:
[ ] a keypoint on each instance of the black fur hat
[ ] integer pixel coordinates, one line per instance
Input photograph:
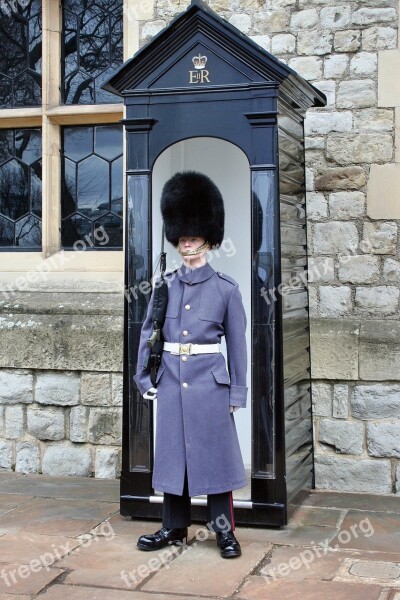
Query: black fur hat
(192, 205)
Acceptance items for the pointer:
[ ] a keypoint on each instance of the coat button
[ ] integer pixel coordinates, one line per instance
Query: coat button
(185, 332)
(187, 306)
(185, 385)
(184, 358)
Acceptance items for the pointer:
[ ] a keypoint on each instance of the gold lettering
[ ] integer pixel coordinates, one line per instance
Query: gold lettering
(204, 76)
(199, 76)
(193, 76)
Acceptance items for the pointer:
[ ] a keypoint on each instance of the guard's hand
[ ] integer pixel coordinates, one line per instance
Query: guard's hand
(151, 394)
(234, 408)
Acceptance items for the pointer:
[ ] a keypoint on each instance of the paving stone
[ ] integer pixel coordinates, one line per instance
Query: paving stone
(52, 517)
(14, 597)
(202, 562)
(24, 547)
(63, 487)
(72, 592)
(20, 579)
(369, 572)
(381, 529)
(11, 501)
(301, 563)
(304, 516)
(388, 503)
(255, 588)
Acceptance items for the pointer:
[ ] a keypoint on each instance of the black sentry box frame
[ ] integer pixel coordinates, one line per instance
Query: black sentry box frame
(246, 97)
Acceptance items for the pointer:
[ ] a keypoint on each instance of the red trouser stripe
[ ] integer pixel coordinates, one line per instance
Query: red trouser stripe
(231, 507)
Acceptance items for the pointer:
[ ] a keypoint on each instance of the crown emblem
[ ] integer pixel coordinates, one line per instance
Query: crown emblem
(199, 61)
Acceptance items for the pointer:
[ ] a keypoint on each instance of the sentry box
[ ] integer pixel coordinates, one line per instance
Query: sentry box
(201, 95)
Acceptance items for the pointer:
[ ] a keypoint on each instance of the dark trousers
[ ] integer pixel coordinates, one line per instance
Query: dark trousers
(177, 510)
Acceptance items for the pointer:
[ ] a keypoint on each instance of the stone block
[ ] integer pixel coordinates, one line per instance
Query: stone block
(15, 388)
(327, 87)
(304, 19)
(335, 66)
(388, 86)
(61, 389)
(379, 237)
(107, 465)
(313, 300)
(380, 350)
(151, 28)
(373, 119)
(340, 406)
(334, 349)
(333, 17)
(375, 401)
(321, 269)
(340, 178)
(62, 460)
(283, 43)
(360, 148)
(6, 455)
(346, 205)
(241, 21)
(363, 64)
(382, 299)
(334, 301)
(383, 439)
(27, 458)
(347, 41)
(262, 40)
(14, 422)
(96, 389)
(345, 437)
(270, 21)
(353, 475)
(105, 426)
(334, 237)
(314, 42)
(391, 270)
(309, 67)
(367, 16)
(384, 182)
(321, 399)
(358, 269)
(46, 424)
(379, 38)
(78, 423)
(323, 123)
(116, 389)
(317, 206)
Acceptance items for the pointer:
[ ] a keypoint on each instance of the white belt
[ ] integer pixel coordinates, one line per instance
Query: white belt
(176, 348)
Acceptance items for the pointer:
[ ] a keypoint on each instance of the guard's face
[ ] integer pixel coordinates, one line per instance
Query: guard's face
(190, 242)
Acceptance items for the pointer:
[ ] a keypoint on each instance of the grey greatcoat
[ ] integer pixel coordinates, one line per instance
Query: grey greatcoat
(195, 429)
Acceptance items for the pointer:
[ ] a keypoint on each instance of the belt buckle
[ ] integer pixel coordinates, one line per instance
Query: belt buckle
(185, 348)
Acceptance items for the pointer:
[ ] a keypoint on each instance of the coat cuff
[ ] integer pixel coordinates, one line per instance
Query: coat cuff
(143, 381)
(238, 396)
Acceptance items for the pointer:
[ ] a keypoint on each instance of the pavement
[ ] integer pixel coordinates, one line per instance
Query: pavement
(64, 538)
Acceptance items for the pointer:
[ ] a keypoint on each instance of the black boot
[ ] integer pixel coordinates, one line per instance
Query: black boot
(228, 544)
(161, 538)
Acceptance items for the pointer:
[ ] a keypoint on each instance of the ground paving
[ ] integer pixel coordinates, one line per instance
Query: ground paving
(64, 538)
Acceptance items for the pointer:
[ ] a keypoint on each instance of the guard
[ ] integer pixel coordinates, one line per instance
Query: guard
(197, 449)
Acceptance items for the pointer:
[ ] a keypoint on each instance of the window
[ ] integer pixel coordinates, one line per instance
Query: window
(92, 49)
(20, 188)
(91, 179)
(20, 54)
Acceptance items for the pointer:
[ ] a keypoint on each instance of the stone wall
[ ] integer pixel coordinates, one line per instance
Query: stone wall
(349, 50)
(61, 383)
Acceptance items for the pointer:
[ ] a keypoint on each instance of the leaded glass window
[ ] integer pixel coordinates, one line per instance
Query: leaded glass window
(92, 49)
(20, 188)
(20, 54)
(91, 193)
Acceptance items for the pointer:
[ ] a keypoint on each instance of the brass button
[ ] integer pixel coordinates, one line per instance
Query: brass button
(185, 385)
(184, 358)
(187, 306)
(185, 332)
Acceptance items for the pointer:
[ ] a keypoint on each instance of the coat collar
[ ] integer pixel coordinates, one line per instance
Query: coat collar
(198, 275)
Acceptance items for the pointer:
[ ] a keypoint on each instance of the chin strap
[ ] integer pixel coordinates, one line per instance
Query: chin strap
(203, 248)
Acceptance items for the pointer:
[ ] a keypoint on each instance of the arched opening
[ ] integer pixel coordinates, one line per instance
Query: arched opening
(228, 167)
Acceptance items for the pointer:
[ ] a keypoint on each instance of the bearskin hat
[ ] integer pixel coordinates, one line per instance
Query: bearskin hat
(192, 205)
